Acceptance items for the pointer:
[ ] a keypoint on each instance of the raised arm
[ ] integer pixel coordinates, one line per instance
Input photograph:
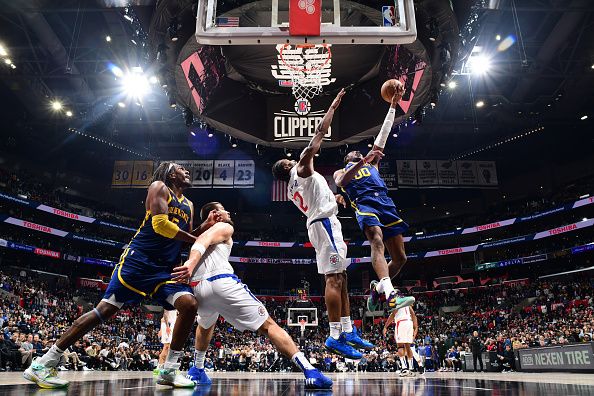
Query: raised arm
(305, 166)
(158, 194)
(218, 233)
(343, 178)
(382, 137)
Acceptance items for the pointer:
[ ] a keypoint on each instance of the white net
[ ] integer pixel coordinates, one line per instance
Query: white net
(309, 67)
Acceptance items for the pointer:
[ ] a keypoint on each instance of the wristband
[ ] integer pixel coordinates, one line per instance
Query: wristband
(199, 247)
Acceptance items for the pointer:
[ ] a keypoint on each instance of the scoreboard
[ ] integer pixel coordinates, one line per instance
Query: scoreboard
(203, 173)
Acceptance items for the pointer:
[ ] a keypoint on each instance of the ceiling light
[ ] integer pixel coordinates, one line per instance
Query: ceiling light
(479, 64)
(116, 70)
(498, 37)
(192, 133)
(121, 104)
(480, 104)
(8, 61)
(68, 113)
(584, 117)
(13, 66)
(108, 39)
(4, 53)
(210, 134)
(153, 80)
(585, 219)
(419, 233)
(452, 84)
(136, 85)
(56, 105)
(235, 145)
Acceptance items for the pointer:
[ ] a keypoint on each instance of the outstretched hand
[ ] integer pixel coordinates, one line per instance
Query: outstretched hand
(340, 200)
(373, 155)
(337, 99)
(183, 273)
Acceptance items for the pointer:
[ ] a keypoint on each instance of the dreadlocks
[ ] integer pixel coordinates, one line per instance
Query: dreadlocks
(162, 172)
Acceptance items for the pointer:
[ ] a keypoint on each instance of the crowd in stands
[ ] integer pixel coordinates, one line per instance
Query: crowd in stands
(33, 314)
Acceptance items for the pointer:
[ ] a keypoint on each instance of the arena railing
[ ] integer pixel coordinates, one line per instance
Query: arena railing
(458, 231)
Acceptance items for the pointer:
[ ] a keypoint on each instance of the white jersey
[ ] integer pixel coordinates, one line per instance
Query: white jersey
(312, 196)
(403, 314)
(214, 261)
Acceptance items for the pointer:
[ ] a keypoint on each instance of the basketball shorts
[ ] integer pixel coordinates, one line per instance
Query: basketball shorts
(137, 277)
(379, 211)
(225, 295)
(166, 338)
(404, 331)
(325, 236)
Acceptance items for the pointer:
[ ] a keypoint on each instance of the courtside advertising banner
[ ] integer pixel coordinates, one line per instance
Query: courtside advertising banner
(574, 357)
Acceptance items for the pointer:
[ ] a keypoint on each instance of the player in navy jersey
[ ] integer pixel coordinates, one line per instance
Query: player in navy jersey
(144, 270)
(377, 215)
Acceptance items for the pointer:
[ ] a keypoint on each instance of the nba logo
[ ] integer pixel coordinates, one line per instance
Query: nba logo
(388, 15)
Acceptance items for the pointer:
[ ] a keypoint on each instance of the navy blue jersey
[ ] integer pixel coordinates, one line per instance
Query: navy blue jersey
(157, 248)
(367, 182)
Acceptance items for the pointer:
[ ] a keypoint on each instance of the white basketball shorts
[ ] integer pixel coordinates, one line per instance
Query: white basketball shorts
(165, 338)
(404, 331)
(325, 236)
(225, 295)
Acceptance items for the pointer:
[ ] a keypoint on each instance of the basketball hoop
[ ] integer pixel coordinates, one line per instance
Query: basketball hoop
(308, 65)
(302, 324)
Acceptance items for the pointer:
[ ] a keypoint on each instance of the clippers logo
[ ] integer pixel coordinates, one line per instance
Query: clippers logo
(334, 259)
(302, 107)
(389, 16)
(308, 6)
(261, 311)
(303, 58)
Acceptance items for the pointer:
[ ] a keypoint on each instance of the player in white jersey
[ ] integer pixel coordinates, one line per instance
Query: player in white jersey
(309, 191)
(167, 323)
(405, 332)
(220, 292)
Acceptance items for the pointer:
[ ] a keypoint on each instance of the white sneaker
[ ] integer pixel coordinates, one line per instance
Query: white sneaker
(404, 373)
(85, 368)
(171, 377)
(412, 373)
(44, 377)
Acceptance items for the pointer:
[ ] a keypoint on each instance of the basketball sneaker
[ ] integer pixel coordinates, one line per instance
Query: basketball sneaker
(44, 376)
(404, 373)
(198, 376)
(314, 379)
(354, 339)
(373, 301)
(171, 377)
(340, 347)
(396, 302)
(156, 370)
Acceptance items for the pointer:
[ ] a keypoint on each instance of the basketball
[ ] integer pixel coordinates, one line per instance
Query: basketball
(388, 89)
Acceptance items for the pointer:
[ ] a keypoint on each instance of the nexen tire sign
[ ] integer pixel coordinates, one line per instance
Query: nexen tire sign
(288, 126)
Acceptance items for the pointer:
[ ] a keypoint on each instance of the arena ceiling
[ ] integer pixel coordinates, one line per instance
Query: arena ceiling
(60, 51)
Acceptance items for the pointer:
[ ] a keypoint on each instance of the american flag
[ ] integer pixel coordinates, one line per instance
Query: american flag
(228, 21)
(279, 191)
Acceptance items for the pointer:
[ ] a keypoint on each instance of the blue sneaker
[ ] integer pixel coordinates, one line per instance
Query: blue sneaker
(354, 339)
(395, 302)
(198, 376)
(373, 301)
(314, 379)
(340, 347)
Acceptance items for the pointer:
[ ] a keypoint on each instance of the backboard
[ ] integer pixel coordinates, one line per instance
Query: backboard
(266, 22)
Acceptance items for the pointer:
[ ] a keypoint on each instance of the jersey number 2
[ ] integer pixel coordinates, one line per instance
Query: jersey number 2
(297, 197)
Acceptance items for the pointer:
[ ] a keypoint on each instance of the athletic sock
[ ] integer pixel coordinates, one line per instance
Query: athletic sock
(403, 363)
(385, 285)
(51, 357)
(335, 329)
(199, 359)
(172, 359)
(417, 357)
(301, 361)
(410, 364)
(346, 324)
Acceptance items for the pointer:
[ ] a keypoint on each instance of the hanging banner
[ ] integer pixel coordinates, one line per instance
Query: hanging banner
(447, 173)
(407, 172)
(467, 175)
(427, 173)
(387, 171)
(487, 173)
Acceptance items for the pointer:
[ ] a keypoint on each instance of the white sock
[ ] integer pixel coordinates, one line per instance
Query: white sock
(403, 363)
(346, 324)
(51, 357)
(410, 364)
(385, 285)
(172, 359)
(301, 361)
(335, 329)
(199, 359)
(417, 357)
